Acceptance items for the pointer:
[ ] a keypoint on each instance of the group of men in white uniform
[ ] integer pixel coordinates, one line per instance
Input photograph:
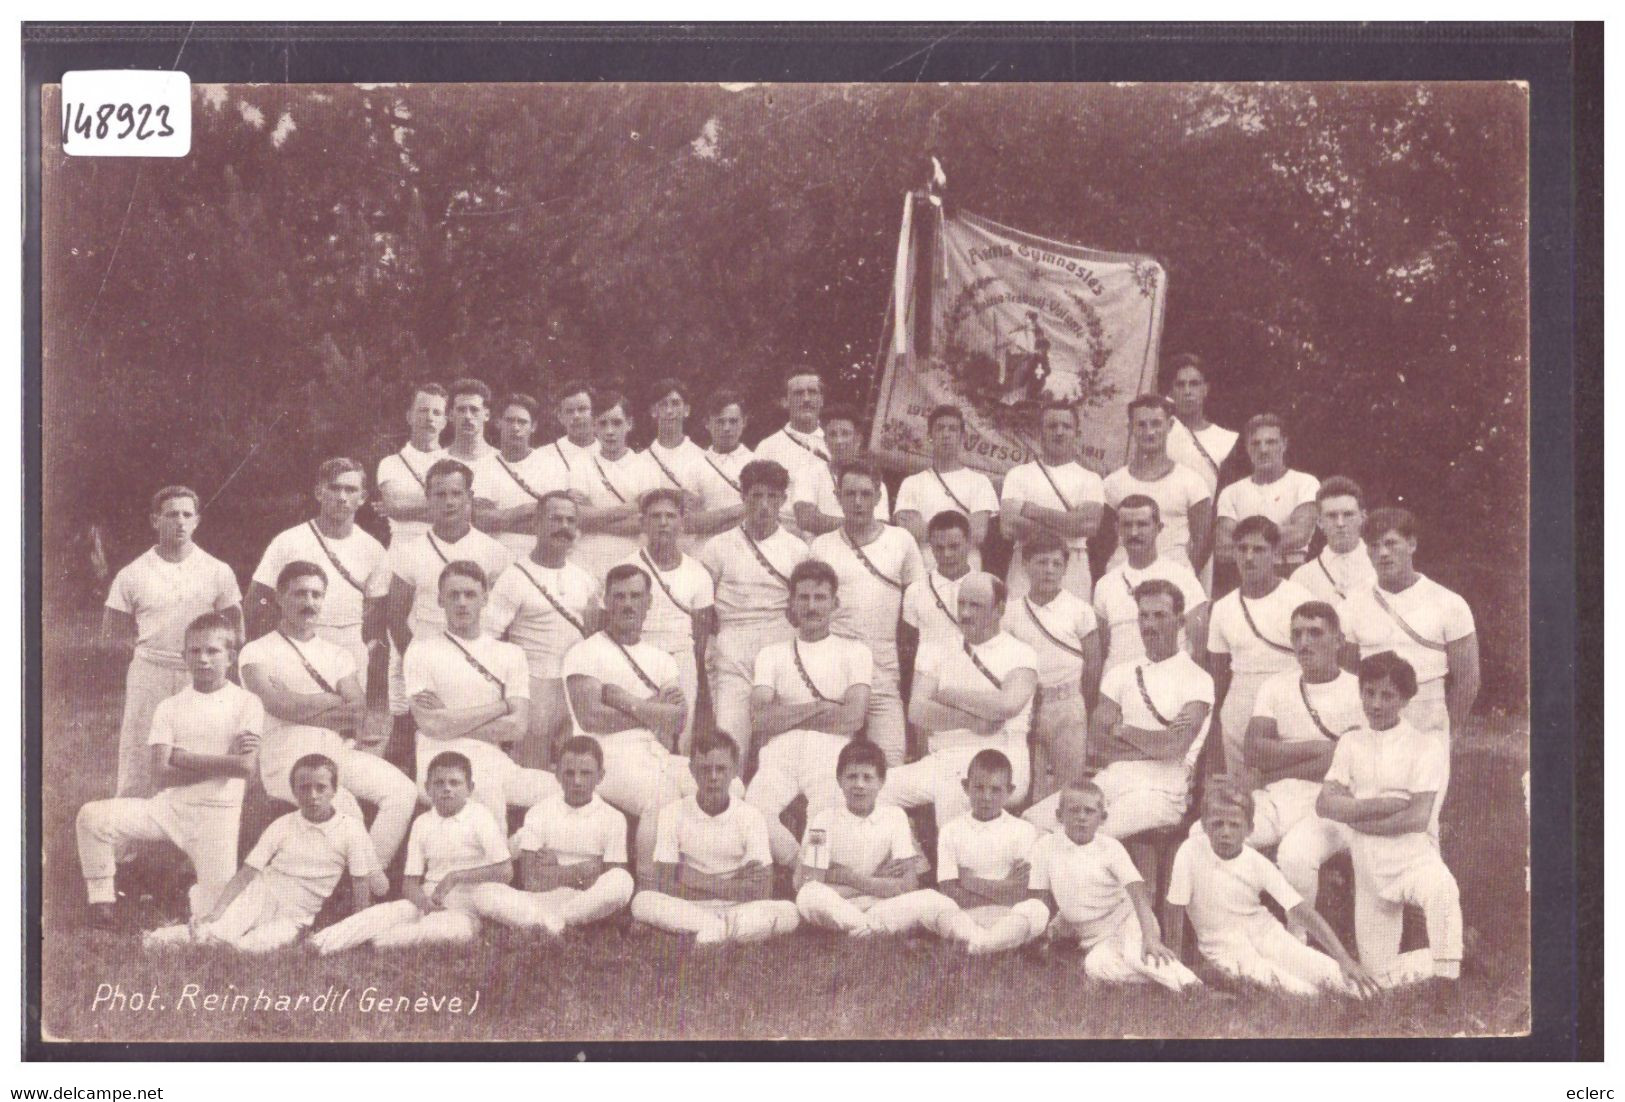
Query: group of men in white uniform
(648, 626)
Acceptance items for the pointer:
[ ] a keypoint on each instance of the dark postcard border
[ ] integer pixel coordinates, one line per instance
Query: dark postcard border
(1562, 64)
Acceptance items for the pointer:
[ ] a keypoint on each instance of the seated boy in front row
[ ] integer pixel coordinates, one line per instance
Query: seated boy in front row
(1087, 878)
(572, 853)
(982, 865)
(1220, 879)
(454, 849)
(292, 869)
(860, 869)
(713, 867)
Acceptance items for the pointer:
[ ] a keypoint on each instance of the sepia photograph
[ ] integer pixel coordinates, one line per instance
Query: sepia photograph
(617, 561)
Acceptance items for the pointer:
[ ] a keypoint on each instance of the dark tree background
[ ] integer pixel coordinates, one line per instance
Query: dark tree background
(1352, 256)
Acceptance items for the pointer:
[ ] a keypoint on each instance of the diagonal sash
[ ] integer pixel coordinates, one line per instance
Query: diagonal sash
(665, 470)
(485, 672)
(513, 474)
(322, 683)
(1145, 695)
(1076, 652)
(633, 662)
(949, 490)
(1376, 592)
(334, 559)
(1320, 561)
(554, 601)
(804, 446)
(806, 678)
(1207, 455)
(733, 484)
(401, 455)
(1066, 506)
(558, 447)
(1303, 691)
(869, 563)
(436, 545)
(937, 597)
(1266, 640)
(761, 557)
(982, 666)
(608, 485)
(664, 588)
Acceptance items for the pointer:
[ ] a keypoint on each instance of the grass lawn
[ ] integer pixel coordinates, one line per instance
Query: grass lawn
(629, 983)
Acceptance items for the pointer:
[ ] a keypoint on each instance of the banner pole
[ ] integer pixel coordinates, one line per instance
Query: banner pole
(892, 324)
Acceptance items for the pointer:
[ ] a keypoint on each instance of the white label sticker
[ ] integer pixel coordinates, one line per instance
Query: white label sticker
(126, 113)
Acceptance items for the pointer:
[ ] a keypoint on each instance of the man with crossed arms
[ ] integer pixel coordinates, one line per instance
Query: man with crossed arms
(1055, 494)
(947, 484)
(510, 482)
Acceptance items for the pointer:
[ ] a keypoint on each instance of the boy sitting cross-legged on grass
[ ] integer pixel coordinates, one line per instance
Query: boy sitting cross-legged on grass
(713, 868)
(860, 870)
(454, 849)
(1099, 897)
(982, 864)
(1220, 880)
(572, 853)
(292, 869)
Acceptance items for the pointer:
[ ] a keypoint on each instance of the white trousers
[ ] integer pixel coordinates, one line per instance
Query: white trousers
(1262, 951)
(1119, 957)
(362, 776)
(1060, 734)
(731, 662)
(938, 779)
(549, 722)
(257, 921)
(499, 781)
(640, 775)
(400, 923)
(399, 705)
(207, 834)
(566, 907)
(861, 915)
(991, 928)
(1427, 712)
(1076, 581)
(1379, 914)
(714, 920)
(1234, 717)
(884, 725)
(145, 685)
(1140, 796)
(797, 763)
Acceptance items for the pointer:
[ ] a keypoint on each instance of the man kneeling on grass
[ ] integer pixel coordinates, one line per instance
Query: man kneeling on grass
(291, 871)
(713, 868)
(572, 853)
(454, 850)
(860, 869)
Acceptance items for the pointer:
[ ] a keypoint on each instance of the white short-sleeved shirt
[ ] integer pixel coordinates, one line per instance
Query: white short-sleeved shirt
(510, 485)
(1433, 612)
(1275, 500)
(442, 844)
(716, 845)
(930, 492)
(719, 477)
(748, 594)
(595, 831)
(420, 561)
(1333, 578)
(1217, 442)
(1117, 610)
(815, 482)
(570, 454)
(1088, 882)
(361, 556)
(274, 653)
(1228, 631)
(166, 596)
(870, 606)
(1286, 699)
(1222, 897)
(679, 468)
(675, 595)
(1171, 684)
(600, 658)
(400, 482)
(833, 664)
(433, 663)
(931, 607)
(611, 482)
(1056, 633)
(301, 861)
(520, 611)
(951, 664)
(1037, 482)
(205, 723)
(1397, 762)
(861, 843)
(793, 450)
(1175, 493)
(988, 849)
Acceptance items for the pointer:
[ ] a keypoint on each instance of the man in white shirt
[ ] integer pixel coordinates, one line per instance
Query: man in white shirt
(148, 608)
(1193, 440)
(416, 564)
(1149, 725)
(1053, 493)
(1062, 630)
(931, 605)
(609, 485)
(1286, 497)
(1248, 637)
(470, 410)
(800, 442)
(313, 699)
(810, 698)
(546, 604)
(722, 495)
(876, 564)
(751, 564)
(684, 468)
(510, 482)
(946, 485)
(971, 695)
(1183, 500)
(471, 693)
(812, 486)
(1139, 522)
(682, 606)
(624, 692)
(353, 614)
(1343, 566)
(574, 412)
(402, 492)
